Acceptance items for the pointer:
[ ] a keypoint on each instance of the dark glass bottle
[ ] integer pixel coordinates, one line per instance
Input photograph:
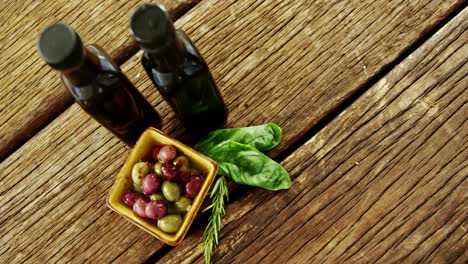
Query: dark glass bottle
(178, 71)
(97, 83)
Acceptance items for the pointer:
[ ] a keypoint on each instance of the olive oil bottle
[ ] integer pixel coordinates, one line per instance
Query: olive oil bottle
(97, 83)
(178, 71)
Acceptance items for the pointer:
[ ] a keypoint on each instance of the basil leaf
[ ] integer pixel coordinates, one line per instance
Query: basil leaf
(246, 165)
(264, 137)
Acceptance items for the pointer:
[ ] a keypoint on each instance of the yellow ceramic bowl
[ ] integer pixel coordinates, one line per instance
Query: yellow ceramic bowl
(142, 151)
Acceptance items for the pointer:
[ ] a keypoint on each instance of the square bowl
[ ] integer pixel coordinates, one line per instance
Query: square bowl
(150, 138)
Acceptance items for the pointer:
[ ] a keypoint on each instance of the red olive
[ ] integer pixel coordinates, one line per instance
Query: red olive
(129, 198)
(184, 176)
(192, 188)
(155, 152)
(198, 178)
(169, 171)
(151, 184)
(140, 206)
(155, 209)
(167, 153)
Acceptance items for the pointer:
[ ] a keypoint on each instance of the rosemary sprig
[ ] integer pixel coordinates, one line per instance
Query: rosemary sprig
(219, 195)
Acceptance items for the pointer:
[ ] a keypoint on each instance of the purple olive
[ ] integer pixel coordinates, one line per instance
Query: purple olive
(155, 209)
(167, 153)
(169, 171)
(140, 206)
(155, 153)
(184, 176)
(129, 198)
(198, 178)
(192, 188)
(151, 184)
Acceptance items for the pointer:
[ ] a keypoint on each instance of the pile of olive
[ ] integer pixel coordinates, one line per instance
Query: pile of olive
(164, 190)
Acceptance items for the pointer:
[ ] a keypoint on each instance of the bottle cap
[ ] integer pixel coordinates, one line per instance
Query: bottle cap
(152, 27)
(60, 47)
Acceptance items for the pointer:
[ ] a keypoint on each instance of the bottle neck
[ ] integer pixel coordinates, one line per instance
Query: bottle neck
(84, 73)
(169, 57)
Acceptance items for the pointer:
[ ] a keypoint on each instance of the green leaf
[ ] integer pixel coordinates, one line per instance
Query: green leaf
(264, 137)
(246, 165)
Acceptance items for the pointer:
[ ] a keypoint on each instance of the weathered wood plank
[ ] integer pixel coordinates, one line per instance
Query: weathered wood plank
(56, 183)
(31, 94)
(385, 181)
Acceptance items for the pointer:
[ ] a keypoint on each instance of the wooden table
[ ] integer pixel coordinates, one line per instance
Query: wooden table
(371, 95)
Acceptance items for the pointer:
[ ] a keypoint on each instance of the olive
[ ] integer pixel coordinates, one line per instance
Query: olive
(139, 207)
(170, 191)
(156, 197)
(155, 209)
(183, 204)
(155, 152)
(157, 168)
(193, 186)
(167, 153)
(184, 176)
(139, 171)
(170, 223)
(129, 198)
(182, 162)
(169, 171)
(151, 184)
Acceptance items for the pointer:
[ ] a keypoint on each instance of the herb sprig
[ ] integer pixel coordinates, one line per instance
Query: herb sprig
(219, 196)
(240, 157)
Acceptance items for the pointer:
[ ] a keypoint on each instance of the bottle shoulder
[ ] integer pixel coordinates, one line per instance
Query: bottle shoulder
(193, 55)
(105, 62)
(191, 66)
(191, 63)
(190, 48)
(99, 80)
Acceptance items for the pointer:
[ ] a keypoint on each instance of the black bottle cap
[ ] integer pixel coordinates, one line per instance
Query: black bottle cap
(60, 47)
(152, 27)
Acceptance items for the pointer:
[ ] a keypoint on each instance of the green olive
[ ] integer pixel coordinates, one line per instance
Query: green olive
(170, 223)
(139, 171)
(157, 197)
(157, 168)
(183, 204)
(170, 191)
(182, 162)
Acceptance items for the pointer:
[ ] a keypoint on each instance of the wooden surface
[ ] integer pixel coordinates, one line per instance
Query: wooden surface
(31, 93)
(295, 63)
(383, 182)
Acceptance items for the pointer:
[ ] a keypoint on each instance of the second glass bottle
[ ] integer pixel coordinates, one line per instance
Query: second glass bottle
(178, 71)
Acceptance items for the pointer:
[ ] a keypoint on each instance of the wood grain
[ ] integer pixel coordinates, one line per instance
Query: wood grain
(31, 94)
(386, 181)
(289, 62)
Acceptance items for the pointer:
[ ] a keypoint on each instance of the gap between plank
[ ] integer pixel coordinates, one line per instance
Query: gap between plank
(237, 191)
(120, 56)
